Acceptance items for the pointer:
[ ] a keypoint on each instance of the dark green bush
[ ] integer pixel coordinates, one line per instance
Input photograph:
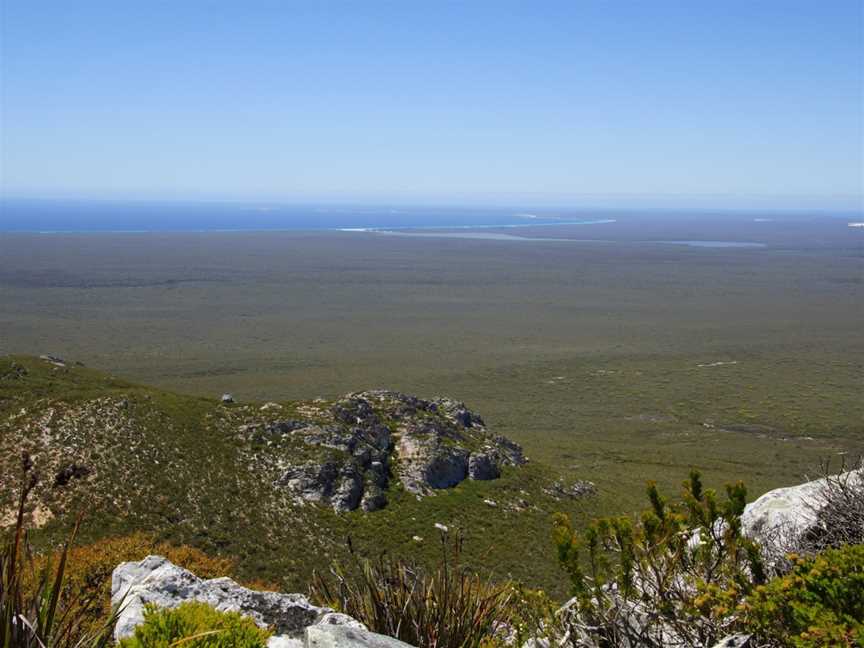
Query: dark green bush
(820, 602)
(196, 625)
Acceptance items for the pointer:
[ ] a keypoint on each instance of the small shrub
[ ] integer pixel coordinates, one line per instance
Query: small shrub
(446, 607)
(195, 625)
(820, 602)
(671, 579)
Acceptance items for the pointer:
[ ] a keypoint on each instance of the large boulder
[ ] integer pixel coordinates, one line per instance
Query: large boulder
(784, 519)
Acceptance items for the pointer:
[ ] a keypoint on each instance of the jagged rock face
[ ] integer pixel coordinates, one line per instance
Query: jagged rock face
(368, 437)
(340, 484)
(484, 465)
(425, 462)
(295, 622)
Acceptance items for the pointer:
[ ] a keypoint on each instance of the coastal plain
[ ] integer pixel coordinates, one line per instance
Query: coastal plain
(617, 361)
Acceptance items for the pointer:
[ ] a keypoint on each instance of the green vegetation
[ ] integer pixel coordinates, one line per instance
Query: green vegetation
(167, 465)
(678, 572)
(61, 599)
(681, 573)
(820, 602)
(182, 453)
(610, 363)
(685, 575)
(196, 625)
(587, 355)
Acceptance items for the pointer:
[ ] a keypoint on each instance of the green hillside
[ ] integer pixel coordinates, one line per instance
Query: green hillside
(188, 469)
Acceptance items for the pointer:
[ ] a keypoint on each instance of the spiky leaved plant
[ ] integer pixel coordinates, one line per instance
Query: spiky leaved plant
(444, 607)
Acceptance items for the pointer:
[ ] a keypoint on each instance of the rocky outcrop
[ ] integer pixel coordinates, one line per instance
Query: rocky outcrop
(783, 520)
(447, 446)
(295, 622)
(345, 454)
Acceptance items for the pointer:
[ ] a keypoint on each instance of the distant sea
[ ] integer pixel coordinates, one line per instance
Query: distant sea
(54, 216)
(49, 216)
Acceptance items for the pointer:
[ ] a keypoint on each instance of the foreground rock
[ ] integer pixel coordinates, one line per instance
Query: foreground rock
(333, 636)
(295, 622)
(786, 519)
(345, 454)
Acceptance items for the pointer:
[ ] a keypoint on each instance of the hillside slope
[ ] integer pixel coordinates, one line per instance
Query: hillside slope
(281, 486)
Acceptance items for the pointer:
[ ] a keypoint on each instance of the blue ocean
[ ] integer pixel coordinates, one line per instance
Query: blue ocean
(17, 215)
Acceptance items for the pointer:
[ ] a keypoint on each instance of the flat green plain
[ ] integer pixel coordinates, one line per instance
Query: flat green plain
(615, 362)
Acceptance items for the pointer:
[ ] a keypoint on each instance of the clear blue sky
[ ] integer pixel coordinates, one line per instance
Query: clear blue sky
(700, 101)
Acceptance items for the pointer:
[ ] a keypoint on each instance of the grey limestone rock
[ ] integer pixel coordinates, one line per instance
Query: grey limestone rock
(157, 581)
(483, 466)
(783, 519)
(323, 636)
(295, 622)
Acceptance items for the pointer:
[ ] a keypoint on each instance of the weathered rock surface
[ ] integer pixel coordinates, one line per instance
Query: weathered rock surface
(427, 461)
(786, 516)
(342, 636)
(483, 466)
(296, 623)
(346, 454)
